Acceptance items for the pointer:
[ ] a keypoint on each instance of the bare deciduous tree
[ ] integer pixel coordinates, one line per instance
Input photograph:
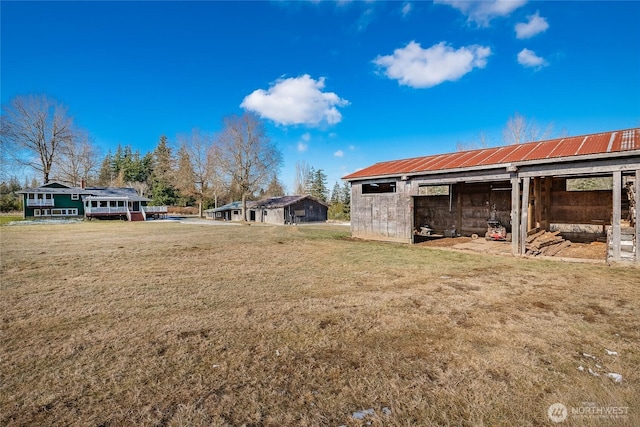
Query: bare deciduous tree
(34, 129)
(520, 130)
(205, 181)
(303, 175)
(77, 161)
(483, 142)
(245, 156)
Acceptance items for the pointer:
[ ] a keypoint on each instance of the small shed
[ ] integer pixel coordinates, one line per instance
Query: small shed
(229, 212)
(289, 210)
(584, 186)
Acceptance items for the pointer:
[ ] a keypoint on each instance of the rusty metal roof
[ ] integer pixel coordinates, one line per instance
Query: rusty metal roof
(574, 146)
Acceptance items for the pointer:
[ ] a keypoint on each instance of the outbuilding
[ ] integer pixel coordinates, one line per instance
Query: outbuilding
(274, 210)
(586, 187)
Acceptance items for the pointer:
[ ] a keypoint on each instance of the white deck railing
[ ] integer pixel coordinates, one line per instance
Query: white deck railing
(106, 211)
(155, 209)
(40, 202)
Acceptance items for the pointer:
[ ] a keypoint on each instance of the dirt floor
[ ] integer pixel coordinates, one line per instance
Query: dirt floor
(590, 251)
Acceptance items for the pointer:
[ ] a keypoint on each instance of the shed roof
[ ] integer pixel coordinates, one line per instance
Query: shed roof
(552, 150)
(279, 202)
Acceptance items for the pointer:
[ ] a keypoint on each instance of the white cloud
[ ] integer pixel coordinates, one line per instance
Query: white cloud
(303, 144)
(406, 9)
(482, 12)
(423, 68)
(339, 153)
(528, 58)
(296, 101)
(536, 25)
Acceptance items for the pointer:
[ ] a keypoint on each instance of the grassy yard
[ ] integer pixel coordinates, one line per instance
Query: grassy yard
(5, 219)
(166, 324)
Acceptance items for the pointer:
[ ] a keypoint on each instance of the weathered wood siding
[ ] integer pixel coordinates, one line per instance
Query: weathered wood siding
(580, 207)
(313, 212)
(466, 210)
(382, 216)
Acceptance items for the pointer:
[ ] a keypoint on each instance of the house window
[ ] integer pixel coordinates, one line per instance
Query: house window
(31, 196)
(94, 203)
(236, 212)
(75, 197)
(433, 190)
(103, 203)
(36, 212)
(381, 187)
(48, 196)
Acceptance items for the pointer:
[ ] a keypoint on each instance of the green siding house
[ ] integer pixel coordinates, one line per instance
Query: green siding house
(58, 200)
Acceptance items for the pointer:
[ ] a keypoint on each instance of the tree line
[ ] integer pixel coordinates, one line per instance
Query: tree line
(207, 170)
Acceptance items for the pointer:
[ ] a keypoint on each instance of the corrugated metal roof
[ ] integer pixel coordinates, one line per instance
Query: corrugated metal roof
(575, 146)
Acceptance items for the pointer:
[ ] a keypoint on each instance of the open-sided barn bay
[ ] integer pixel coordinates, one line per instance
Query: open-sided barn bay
(112, 323)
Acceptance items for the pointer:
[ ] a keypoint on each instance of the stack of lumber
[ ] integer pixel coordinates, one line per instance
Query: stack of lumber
(545, 243)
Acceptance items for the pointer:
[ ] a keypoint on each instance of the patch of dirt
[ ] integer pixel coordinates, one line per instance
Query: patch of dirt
(445, 242)
(594, 250)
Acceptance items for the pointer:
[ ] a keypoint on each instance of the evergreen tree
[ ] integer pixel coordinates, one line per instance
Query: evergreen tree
(275, 188)
(162, 180)
(185, 178)
(336, 194)
(105, 175)
(319, 188)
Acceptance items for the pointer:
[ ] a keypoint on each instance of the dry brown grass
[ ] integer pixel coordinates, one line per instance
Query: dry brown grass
(164, 324)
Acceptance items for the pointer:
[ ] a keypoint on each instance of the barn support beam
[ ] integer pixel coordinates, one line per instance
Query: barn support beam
(515, 214)
(617, 213)
(537, 202)
(524, 224)
(637, 217)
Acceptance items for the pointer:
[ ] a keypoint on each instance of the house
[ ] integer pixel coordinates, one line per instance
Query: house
(274, 210)
(58, 200)
(586, 186)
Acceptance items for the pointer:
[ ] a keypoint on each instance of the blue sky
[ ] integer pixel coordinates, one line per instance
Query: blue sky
(341, 85)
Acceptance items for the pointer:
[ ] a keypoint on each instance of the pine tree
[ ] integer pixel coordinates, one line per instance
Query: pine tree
(336, 194)
(319, 188)
(105, 175)
(185, 178)
(162, 181)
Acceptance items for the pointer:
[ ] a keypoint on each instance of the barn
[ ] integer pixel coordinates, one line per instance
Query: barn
(584, 187)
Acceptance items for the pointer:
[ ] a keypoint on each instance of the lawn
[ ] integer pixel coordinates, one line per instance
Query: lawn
(168, 324)
(5, 219)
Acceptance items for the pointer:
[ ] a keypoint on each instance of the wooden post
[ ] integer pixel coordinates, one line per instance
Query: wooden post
(524, 224)
(617, 213)
(515, 214)
(458, 188)
(637, 194)
(537, 198)
(546, 205)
